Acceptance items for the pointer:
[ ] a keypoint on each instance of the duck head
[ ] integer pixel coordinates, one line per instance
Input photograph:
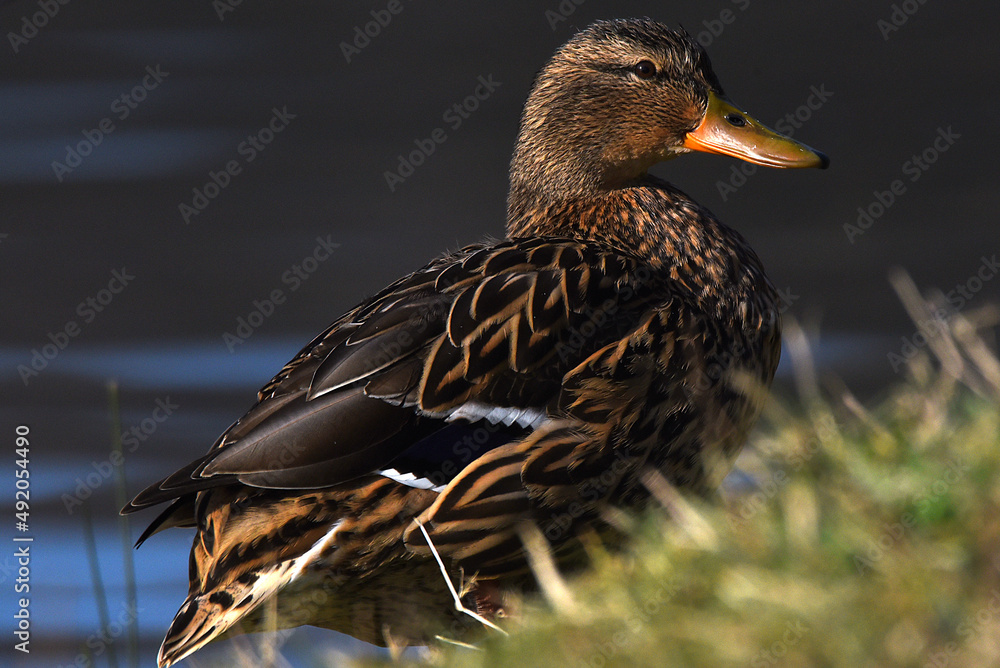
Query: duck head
(621, 96)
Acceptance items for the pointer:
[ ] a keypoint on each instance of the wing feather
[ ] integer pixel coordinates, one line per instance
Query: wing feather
(495, 327)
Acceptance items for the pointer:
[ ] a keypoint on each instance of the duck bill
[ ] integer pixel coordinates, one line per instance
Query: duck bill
(729, 131)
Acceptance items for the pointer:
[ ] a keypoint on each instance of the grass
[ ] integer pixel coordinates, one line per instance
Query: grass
(871, 538)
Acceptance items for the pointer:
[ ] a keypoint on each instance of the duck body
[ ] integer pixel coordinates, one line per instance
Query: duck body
(620, 328)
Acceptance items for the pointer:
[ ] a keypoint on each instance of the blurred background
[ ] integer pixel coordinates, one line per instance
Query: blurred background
(192, 190)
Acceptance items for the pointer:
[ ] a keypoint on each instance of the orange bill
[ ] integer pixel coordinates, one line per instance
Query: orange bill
(729, 131)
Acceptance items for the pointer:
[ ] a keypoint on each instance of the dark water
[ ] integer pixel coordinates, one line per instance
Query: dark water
(197, 87)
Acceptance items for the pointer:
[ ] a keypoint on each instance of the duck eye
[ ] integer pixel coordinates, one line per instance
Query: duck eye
(645, 69)
(736, 120)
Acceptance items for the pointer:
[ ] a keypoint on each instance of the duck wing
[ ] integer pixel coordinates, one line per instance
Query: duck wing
(478, 340)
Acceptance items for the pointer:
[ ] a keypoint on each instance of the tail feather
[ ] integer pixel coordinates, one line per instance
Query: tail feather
(252, 544)
(180, 513)
(205, 615)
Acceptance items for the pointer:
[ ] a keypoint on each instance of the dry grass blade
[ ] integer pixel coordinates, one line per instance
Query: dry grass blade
(802, 361)
(942, 345)
(681, 512)
(966, 332)
(551, 581)
(451, 587)
(456, 643)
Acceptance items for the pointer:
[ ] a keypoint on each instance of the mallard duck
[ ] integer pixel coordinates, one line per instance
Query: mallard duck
(620, 328)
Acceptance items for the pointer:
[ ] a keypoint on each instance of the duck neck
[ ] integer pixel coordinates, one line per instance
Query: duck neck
(656, 223)
(650, 219)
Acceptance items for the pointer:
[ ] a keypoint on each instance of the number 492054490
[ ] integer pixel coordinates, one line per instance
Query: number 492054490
(22, 495)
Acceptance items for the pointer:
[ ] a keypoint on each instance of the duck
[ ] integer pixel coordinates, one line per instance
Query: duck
(618, 331)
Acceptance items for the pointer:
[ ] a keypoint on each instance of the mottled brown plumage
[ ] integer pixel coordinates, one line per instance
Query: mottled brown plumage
(619, 328)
